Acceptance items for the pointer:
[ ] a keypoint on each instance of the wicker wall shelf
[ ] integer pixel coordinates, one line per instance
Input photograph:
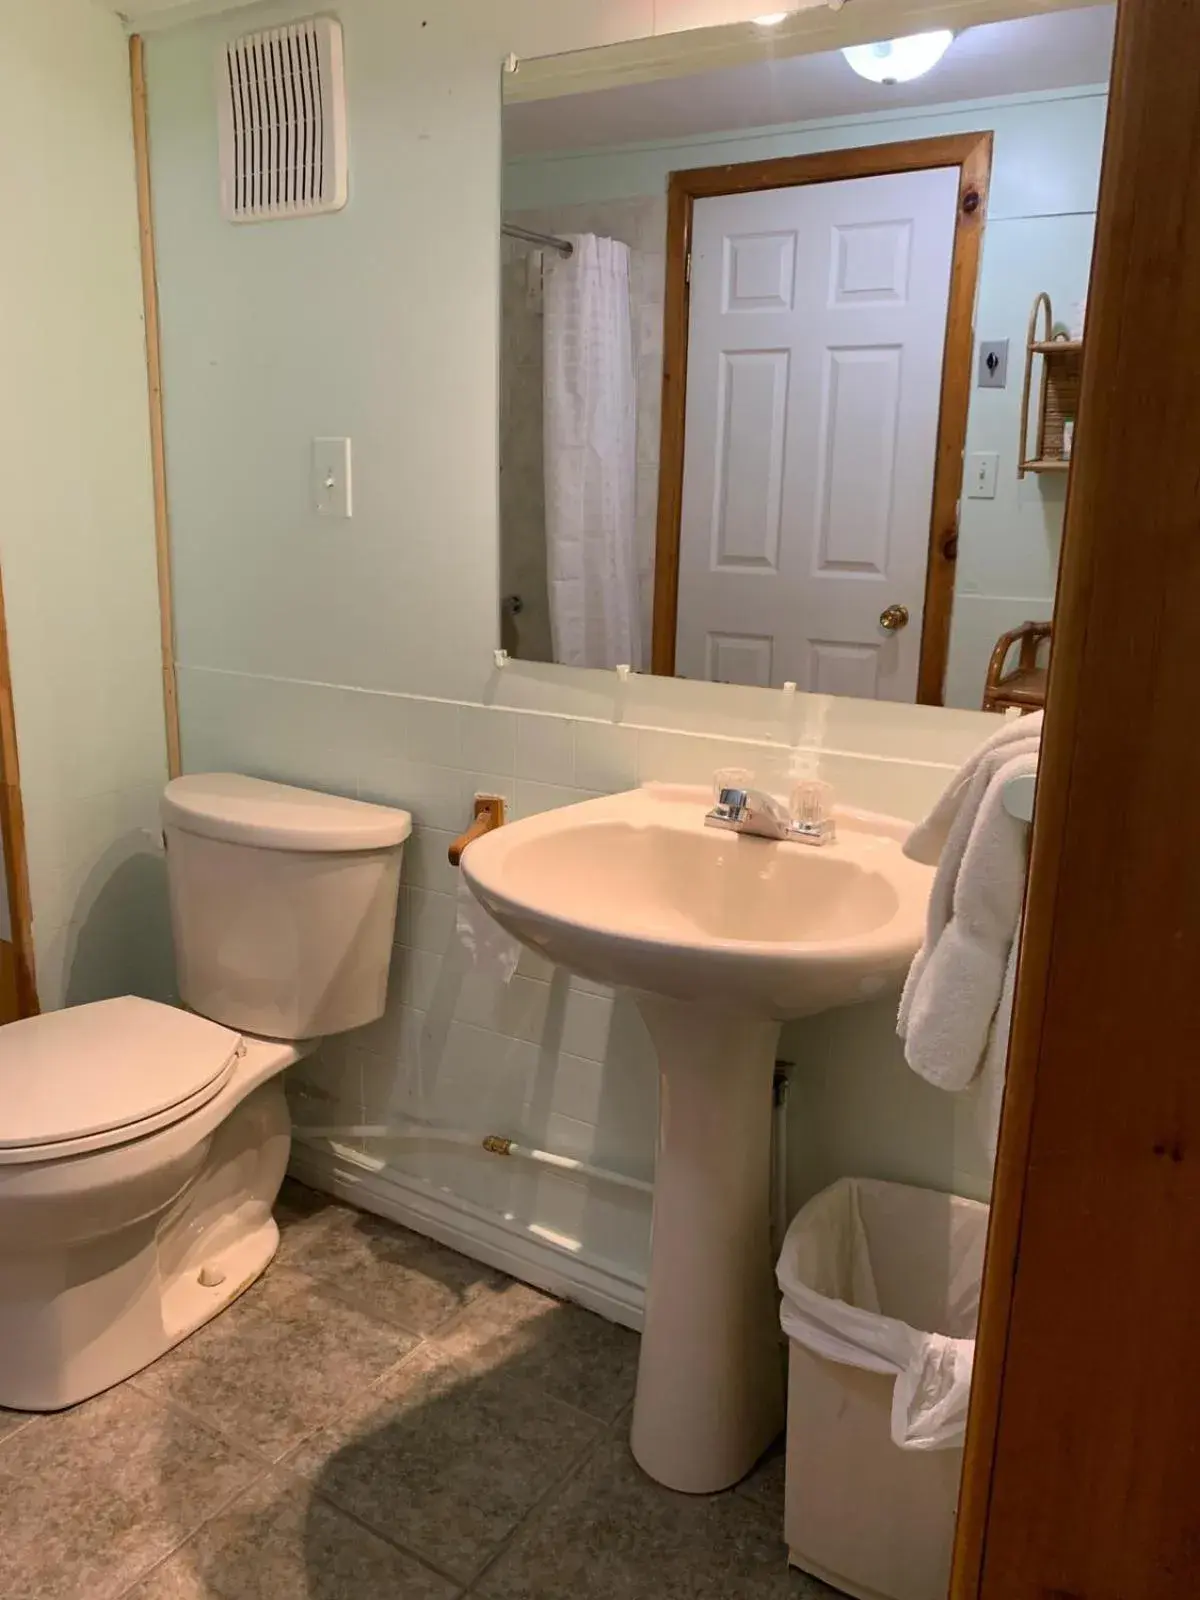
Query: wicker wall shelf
(1059, 363)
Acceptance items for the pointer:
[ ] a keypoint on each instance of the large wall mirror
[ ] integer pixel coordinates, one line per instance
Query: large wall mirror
(790, 356)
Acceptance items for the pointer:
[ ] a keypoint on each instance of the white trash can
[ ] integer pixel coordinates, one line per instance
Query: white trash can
(880, 1290)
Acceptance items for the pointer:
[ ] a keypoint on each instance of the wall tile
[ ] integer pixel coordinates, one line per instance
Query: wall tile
(546, 749)
(395, 1037)
(426, 920)
(432, 734)
(606, 758)
(533, 798)
(517, 1009)
(482, 1078)
(680, 758)
(487, 740)
(432, 794)
(414, 978)
(893, 787)
(571, 1136)
(586, 1023)
(426, 859)
(378, 723)
(389, 1094)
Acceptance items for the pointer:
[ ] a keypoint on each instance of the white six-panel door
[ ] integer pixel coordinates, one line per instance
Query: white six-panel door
(816, 334)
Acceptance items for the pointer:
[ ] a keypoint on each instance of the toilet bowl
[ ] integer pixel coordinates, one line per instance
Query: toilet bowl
(142, 1146)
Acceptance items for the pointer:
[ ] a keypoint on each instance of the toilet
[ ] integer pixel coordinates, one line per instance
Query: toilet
(142, 1146)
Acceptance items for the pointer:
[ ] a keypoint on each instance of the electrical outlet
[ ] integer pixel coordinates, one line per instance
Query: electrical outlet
(982, 468)
(993, 364)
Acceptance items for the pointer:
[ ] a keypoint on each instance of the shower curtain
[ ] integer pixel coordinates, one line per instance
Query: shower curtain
(590, 427)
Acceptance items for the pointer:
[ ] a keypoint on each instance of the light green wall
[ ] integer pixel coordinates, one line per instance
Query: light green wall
(1041, 217)
(77, 534)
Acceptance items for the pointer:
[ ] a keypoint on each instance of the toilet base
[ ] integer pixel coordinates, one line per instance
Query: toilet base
(167, 1243)
(196, 1297)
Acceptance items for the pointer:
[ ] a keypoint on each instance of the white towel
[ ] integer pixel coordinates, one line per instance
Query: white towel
(952, 997)
(967, 797)
(927, 840)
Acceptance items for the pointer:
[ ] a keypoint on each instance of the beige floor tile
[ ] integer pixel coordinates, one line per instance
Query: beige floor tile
(766, 1483)
(567, 1351)
(279, 1542)
(387, 1269)
(615, 1535)
(444, 1461)
(279, 1363)
(10, 1421)
(92, 1498)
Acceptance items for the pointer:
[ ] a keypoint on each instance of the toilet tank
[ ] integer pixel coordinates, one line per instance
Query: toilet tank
(283, 903)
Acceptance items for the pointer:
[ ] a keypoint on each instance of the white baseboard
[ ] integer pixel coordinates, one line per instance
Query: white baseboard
(485, 1236)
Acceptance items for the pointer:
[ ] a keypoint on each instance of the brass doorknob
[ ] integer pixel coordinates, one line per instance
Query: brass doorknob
(893, 618)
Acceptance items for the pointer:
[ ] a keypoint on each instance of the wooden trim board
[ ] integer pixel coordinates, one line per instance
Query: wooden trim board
(20, 979)
(158, 454)
(1081, 1478)
(972, 154)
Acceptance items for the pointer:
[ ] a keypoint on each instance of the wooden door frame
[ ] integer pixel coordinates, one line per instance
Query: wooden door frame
(971, 153)
(1080, 1479)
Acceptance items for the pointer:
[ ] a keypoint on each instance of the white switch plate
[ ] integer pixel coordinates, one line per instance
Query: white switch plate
(331, 495)
(982, 468)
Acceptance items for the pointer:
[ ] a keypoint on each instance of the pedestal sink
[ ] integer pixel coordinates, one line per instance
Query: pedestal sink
(721, 937)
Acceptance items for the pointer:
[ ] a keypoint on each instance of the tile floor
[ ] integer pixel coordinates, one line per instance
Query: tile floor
(382, 1419)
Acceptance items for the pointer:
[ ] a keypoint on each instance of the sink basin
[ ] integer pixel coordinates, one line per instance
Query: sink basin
(635, 891)
(722, 937)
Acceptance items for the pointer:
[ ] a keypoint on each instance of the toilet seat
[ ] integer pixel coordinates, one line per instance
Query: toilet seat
(99, 1075)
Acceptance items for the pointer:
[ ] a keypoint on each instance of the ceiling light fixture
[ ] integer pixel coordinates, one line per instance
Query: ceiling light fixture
(899, 60)
(772, 19)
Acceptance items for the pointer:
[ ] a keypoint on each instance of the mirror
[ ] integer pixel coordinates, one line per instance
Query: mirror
(779, 399)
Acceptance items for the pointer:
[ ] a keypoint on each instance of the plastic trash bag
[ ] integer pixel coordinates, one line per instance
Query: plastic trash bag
(489, 948)
(886, 1278)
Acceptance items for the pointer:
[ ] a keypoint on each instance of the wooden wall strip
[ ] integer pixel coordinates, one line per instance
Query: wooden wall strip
(12, 830)
(162, 527)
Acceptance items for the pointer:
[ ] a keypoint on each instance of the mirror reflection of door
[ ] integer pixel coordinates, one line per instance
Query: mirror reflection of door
(795, 467)
(817, 327)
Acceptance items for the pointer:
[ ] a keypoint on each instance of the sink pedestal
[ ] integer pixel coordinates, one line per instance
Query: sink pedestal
(710, 1378)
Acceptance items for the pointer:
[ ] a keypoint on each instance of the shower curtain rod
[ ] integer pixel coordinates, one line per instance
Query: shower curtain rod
(546, 240)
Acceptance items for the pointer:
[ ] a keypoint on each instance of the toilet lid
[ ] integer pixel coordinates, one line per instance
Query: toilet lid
(85, 1076)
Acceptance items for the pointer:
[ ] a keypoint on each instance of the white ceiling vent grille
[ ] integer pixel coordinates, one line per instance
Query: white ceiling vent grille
(283, 122)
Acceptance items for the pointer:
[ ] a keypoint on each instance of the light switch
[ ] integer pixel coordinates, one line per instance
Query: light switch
(331, 478)
(981, 471)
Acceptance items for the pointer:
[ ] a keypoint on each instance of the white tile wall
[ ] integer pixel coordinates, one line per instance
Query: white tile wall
(550, 1058)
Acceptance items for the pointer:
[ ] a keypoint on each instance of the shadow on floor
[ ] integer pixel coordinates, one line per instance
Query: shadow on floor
(376, 1417)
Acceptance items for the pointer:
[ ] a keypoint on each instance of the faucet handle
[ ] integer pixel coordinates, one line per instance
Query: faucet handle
(812, 808)
(731, 778)
(731, 791)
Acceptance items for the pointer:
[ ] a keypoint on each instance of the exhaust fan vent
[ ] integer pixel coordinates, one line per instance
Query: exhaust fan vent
(283, 122)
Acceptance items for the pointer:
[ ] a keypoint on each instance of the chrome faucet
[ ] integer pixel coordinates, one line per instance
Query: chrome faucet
(753, 812)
